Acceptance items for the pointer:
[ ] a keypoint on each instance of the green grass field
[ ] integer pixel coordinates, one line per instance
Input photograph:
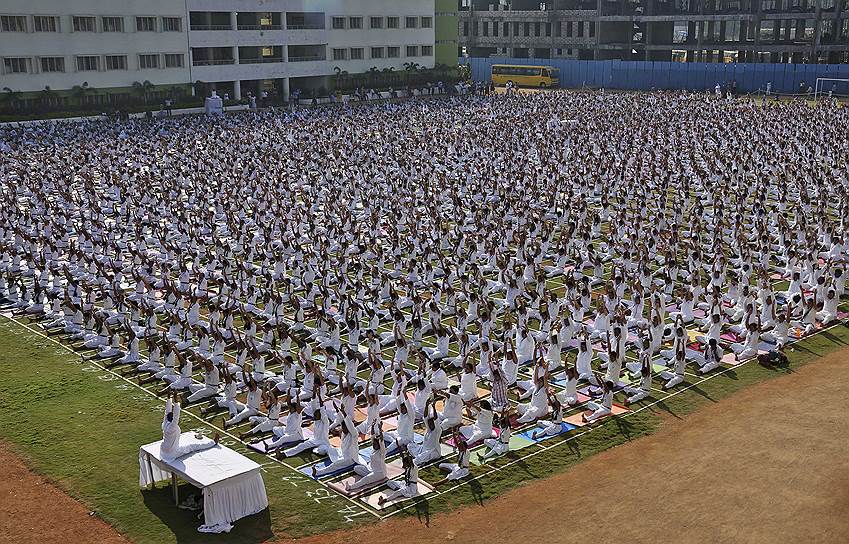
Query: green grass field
(81, 428)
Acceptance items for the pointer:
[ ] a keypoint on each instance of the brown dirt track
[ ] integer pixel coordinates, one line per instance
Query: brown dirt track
(767, 465)
(33, 510)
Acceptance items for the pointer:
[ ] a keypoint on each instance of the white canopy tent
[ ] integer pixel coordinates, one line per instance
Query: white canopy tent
(231, 483)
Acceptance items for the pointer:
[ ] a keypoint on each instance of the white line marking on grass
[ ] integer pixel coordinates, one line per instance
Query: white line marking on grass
(223, 432)
(602, 422)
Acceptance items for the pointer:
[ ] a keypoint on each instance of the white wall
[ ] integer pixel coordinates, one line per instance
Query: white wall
(340, 39)
(68, 43)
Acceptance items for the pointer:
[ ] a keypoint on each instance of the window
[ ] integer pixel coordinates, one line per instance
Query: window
(767, 33)
(427, 22)
(393, 52)
(13, 23)
(148, 61)
(173, 60)
(338, 23)
(427, 50)
(113, 24)
(377, 52)
(355, 22)
(356, 53)
(411, 22)
(580, 29)
(45, 23)
(376, 22)
(116, 62)
(145, 24)
(392, 22)
(172, 24)
(52, 64)
(16, 65)
(412, 50)
(84, 24)
(88, 63)
(592, 29)
(568, 29)
(340, 54)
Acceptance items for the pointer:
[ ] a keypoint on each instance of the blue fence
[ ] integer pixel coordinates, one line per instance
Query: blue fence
(695, 76)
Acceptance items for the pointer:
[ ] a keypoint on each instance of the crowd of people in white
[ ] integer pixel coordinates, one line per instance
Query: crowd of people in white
(460, 265)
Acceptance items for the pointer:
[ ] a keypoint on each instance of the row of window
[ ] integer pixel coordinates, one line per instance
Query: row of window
(88, 23)
(341, 23)
(560, 29)
(389, 52)
(91, 63)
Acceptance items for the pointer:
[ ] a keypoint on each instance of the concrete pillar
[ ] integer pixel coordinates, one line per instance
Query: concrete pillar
(237, 90)
(286, 88)
(234, 25)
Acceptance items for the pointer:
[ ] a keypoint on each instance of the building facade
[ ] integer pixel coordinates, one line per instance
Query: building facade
(810, 31)
(232, 46)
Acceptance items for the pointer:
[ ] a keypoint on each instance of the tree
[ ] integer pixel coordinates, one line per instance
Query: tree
(48, 96)
(411, 68)
(200, 88)
(143, 89)
(388, 75)
(80, 91)
(11, 98)
(340, 75)
(372, 76)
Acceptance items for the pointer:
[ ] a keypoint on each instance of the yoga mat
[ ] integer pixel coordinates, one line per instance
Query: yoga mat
(729, 337)
(422, 487)
(517, 442)
(307, 470)
(496, 432)
(393, 470)
(262, 444)
(528, 435)
(365, 453)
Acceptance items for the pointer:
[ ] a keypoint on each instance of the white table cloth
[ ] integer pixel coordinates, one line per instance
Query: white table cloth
(231, 483)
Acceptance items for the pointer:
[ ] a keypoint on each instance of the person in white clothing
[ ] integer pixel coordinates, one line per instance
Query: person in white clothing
(374, 472)
(408, 487)
(460, 469)
(171, 448)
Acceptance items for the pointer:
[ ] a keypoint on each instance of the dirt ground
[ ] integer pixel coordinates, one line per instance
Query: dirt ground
(767, 465)
(32, 510)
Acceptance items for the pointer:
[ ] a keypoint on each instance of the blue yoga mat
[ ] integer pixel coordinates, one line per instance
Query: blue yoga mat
(528, 435)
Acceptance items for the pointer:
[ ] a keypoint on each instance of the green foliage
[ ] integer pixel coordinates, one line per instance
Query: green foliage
(82, 428)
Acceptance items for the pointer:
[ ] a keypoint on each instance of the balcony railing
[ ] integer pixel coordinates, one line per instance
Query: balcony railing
(211, 27)
(308, 58)
(260, 27)
(213, 62)
(260, 60)
(305, 27)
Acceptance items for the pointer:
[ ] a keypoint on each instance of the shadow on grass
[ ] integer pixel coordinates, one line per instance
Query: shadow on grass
(477, 491)
(834, 338)
(184, 523)
(624, 426)
(423, 512)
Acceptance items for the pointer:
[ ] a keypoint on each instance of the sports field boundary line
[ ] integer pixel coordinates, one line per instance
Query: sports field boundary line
(542, 449)
(364, 506)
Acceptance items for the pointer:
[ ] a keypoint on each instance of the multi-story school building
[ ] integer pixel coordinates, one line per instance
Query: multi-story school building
(811, 31)
(232, 45)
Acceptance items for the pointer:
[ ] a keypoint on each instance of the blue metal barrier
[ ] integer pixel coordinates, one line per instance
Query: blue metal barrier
(694, 76)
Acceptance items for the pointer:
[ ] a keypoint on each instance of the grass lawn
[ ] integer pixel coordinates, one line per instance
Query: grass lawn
(81, 427)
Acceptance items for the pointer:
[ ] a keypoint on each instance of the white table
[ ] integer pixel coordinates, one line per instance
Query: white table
(231, 483)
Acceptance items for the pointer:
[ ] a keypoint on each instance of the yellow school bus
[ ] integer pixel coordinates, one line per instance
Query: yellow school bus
(526, 76)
